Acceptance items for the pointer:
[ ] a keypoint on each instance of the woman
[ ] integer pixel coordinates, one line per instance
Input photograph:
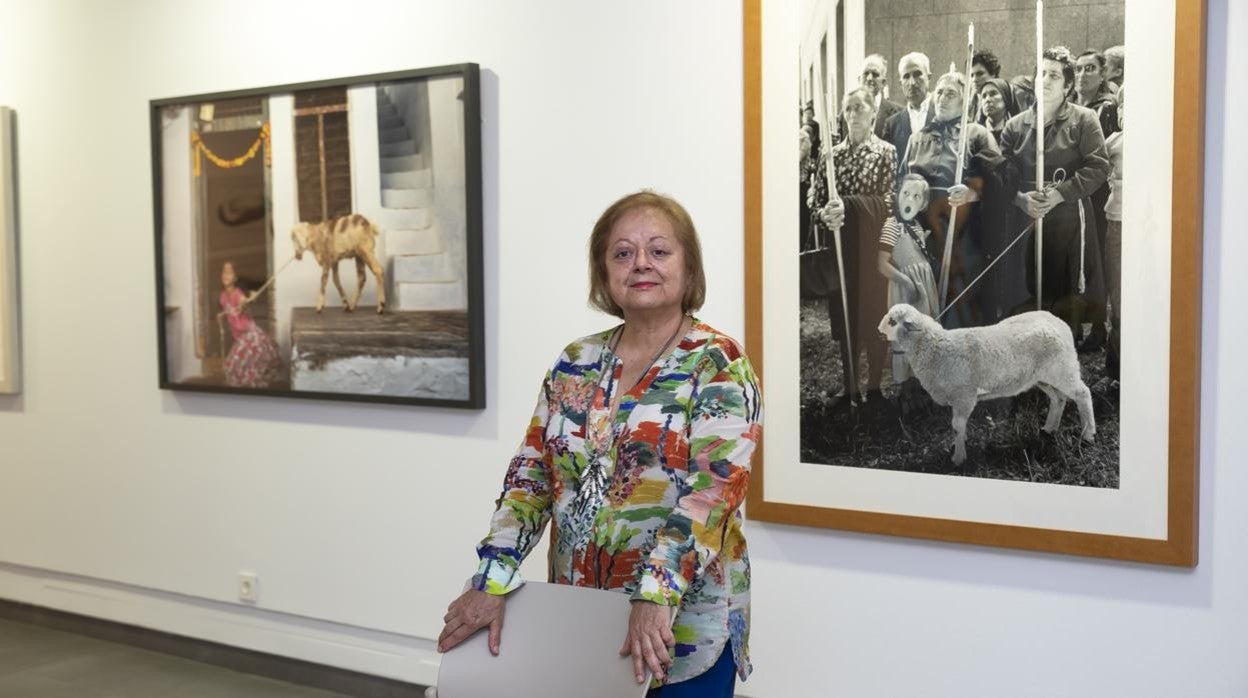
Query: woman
(253, 359)
(864, 165)
(1093, 90)
(1113, 238)
(996, 106)
(639, 450)
(806, 166)
(1071, 282)
(933, 154)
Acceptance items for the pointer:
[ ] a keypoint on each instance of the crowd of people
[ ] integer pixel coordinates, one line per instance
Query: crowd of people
(903, 206)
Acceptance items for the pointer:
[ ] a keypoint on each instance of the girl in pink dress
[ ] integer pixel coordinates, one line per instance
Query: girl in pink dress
(253, 361)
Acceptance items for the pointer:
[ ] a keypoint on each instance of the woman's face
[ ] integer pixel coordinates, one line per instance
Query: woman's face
(980, 75)
(911, 199)
(645, 263)
(1054, 82)
(859, 116)
(992, 101)
(228, 277)
(948, 99)
(1088, 76)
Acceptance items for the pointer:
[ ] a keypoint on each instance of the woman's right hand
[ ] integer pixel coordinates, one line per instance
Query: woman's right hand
(1030, 203)
(833, 215)
(469, 613)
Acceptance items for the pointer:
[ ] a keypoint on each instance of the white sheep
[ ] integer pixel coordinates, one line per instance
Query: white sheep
(960, 367)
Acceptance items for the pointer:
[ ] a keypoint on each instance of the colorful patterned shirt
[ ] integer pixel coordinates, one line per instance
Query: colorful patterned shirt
(648, 503)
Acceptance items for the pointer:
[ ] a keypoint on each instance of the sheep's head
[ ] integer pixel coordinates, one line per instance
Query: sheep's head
(301, 236)
(901, 323)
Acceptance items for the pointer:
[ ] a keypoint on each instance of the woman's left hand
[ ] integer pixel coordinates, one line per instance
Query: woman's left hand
(649, 639)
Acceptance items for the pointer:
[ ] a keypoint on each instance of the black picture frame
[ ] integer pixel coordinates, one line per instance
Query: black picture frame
(308, 348)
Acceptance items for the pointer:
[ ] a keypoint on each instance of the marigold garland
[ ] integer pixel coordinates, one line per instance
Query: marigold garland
(201, 148)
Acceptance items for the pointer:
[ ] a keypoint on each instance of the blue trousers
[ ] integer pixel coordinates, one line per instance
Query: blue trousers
(717, 682)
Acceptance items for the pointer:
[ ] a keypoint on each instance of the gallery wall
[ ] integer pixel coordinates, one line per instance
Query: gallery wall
(121, 501)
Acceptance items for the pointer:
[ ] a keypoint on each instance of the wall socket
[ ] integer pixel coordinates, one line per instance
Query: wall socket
(248, 587)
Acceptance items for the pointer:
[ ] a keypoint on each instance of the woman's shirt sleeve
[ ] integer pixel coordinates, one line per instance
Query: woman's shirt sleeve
(725, 425)
(522, 509)
(1093, 167)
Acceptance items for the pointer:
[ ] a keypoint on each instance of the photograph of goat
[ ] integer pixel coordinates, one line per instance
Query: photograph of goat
(969, 328)
(10, 342)
(265, 196)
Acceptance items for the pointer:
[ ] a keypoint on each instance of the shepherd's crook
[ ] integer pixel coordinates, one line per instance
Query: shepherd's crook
(1038, 88)
(957, 177)
(824, 118)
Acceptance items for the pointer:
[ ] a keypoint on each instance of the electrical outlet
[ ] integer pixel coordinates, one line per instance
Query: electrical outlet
(248, 587)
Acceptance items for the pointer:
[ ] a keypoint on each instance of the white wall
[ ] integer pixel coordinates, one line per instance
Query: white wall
(124, 502)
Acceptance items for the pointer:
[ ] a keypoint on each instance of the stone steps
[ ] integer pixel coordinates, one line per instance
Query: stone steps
(449, 295)
(405, 163)
(407, 147)
(394, 134)
(411, 179)
(404, 198)
(423, 268)
(424, 241)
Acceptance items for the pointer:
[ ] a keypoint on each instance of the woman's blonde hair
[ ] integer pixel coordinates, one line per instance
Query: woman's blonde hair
(686, 237)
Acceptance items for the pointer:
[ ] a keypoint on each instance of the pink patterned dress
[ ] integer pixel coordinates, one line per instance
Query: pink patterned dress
(253, 361)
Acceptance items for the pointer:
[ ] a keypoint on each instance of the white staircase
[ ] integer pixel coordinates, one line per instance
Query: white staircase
(422, 274)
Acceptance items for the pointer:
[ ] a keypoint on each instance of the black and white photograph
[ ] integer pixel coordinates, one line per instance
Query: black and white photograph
(960, 271)
(323, 240)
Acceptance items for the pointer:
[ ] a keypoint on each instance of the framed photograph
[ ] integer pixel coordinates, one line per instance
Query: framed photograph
(323, 240)
(969, 329)
(10, 342)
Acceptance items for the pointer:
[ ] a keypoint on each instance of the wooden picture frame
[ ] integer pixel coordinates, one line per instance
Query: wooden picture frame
(276, 188)
(778, 482)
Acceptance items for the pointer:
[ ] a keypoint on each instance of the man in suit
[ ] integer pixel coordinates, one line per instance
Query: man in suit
(916, 73)
(873, 78)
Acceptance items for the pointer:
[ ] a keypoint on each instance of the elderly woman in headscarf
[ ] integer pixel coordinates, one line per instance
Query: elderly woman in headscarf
(933, 153)
(1075, 166)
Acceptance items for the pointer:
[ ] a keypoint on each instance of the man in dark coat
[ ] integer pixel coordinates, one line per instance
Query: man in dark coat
(915, 75)
(874, 77)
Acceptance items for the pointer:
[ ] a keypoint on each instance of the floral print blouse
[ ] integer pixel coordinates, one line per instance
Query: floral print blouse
(867, 169)
(647, 503)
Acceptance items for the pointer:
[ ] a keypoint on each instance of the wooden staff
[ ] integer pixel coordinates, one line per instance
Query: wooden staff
(821, 115)
(957, 177)
(1038, 87)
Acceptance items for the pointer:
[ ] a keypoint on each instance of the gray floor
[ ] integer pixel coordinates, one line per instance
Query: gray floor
(37, 662)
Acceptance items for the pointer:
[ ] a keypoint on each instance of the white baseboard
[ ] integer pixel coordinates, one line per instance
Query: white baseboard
(393, 656)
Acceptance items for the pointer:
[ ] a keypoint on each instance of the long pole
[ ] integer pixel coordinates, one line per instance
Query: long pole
(821, 114)
(957, 177)
(1038, 87)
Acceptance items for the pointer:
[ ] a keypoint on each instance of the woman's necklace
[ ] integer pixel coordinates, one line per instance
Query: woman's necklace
(657, 354)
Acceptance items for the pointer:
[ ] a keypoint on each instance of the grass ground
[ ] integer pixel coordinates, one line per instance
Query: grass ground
(1003, 438)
